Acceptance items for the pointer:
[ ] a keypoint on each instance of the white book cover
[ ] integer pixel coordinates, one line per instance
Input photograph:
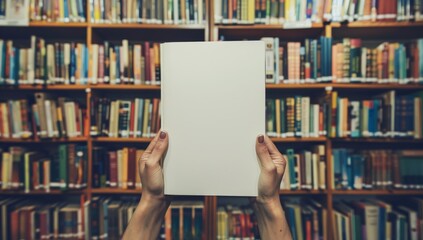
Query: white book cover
(213, 108)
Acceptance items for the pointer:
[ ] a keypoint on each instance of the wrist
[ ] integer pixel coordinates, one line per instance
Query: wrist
(269, 206)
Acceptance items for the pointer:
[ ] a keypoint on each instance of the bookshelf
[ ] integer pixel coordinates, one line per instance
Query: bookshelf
(92, 33)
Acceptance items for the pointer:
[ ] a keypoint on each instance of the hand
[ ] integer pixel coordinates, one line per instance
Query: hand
(151, 167)
(267, 206)
(148, 216)
(272, 165)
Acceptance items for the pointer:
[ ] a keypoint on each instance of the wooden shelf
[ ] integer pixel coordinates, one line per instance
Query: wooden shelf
(41, 192)
(132, 87)
(115, 191)
(344, 86)
(377, 140)
(369, 24)
(377, 192)
(125, 87)
(148, 26)
(123, 140)
(293, 139)
(261, 26)
(301, 192)
(80, 87)
(58, 24)
(43, 140)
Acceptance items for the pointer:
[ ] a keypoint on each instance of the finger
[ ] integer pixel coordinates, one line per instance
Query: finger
(277, 158)
(152, 144)
(273, 150)
(264, 155)
(160, 148)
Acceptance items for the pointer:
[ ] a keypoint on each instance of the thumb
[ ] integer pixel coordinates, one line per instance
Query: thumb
(264, 155)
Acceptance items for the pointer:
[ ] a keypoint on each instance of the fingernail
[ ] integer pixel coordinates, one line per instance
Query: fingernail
(162, 135)
(260, 138)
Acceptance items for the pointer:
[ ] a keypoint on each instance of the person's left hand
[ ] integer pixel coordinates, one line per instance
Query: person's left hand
(151, 167)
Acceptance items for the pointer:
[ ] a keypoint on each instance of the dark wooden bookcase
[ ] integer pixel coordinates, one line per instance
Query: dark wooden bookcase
(95, 33)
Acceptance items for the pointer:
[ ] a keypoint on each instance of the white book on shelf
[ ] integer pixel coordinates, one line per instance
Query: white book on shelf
(16, 13)
(213, 108)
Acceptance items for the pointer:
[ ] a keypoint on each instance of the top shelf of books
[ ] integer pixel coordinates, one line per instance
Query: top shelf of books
(254, 14)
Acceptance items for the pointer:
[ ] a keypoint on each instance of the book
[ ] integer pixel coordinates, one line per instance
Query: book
(210, 117)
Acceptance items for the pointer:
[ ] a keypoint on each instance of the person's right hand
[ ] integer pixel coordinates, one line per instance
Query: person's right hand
(272, 165)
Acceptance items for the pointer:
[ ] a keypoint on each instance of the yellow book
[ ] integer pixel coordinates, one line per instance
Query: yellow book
(251, 11)
(125, 168)
(6, 172)
(278, 117)
(61, 10)
(146, 117)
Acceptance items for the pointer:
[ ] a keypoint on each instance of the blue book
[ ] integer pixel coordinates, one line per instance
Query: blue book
(291, 222)
(337, 174)
(85, 65)
(322, 56)
(2, 61)
(420, 45)
(12, 66)
(329, 58)
(344, 167)
(350, 173)
(117, 77)
(66, 9)
(72, 67)
(81, 10)
(372, 119)
(291, 164)
(357, 170)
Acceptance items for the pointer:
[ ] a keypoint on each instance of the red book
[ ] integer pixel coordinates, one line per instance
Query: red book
(131, 120)
(35, 175)
(155, 115)
(14, 225)
(131, 166)
(43, 225)
(113, 168)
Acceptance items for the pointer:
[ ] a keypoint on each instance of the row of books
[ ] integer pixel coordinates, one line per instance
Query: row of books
(125, 118)
(377, 169)
(151, 12)
(315, 60)
(306, 221)
(305, 170)
(74, 63)
(45, 118)
(108, 219)
(386, 115)
(235, 222)
(58, 11)
(116, 169)
(27, 219)
(292, 11)
(375, 219)
(349, 61)
(98, 218)
(62, 167)
(295, 117)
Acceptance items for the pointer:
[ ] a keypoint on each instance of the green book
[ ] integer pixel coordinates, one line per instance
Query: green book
(63, 156)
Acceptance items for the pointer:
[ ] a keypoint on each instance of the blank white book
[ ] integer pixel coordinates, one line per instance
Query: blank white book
(213, 108)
